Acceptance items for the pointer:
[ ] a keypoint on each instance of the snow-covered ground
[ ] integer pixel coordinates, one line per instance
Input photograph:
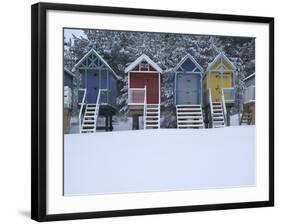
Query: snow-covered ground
(119, 124)
(159, 160)
(234, 120)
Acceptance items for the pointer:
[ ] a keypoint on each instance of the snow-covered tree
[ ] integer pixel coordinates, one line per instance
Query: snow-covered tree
(120, 48)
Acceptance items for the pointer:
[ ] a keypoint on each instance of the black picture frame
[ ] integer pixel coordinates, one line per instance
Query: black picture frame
(39, 115)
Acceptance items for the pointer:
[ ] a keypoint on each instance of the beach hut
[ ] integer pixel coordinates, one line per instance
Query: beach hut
(249, 99)
(144, 92)
(68, 78)
(188, 93)
(98, 92)
(219, 93)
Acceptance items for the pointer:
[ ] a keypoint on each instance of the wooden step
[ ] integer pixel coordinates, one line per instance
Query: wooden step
(217, 110)
(190, 125)
(87, 116)
(152, 111)
(85, 122)
(188, 105)
(152, 125)
(88, 126)
(151, 116)
(217, 114)
(190, 117)
(217, 107)
(188, 109)
(190, 122)
(218, 118)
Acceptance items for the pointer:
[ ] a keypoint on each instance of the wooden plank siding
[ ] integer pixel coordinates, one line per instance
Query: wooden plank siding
(150, 80)
(218, 75)
(188, 78)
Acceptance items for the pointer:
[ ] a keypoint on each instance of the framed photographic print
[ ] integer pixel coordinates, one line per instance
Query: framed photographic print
(139, 111)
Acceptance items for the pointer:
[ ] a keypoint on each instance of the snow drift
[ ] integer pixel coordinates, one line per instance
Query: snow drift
(159, 160)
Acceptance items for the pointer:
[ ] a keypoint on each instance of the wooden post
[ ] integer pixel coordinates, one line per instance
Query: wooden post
(110, 123)
(253, 114)
(135, 122)
(207, 117)
(106, 123)
(228, 109)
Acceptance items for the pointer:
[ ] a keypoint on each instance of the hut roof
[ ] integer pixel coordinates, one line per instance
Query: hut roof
(68, 72)
(141, 58)
(188, 56)
(97, 54)
(249, 77)
(221, 55)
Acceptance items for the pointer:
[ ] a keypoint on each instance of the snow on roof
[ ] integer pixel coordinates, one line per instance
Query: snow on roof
(192, 59)
(249, 77)
(69, 72)
(141, 58)
(221, 54)
(97, 54)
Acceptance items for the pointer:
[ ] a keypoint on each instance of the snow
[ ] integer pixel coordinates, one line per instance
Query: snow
(234, 121)
(159, 160)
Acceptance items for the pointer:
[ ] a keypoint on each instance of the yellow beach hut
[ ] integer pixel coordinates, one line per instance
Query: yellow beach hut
(219, 92)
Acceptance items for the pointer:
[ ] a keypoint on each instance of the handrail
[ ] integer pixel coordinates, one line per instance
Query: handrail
(249, 94)
(144, 108)
(211, 105)
(81, 109)
(159, 115)
(223, 104)
(97, 108)
(131, 98)
(107, 96)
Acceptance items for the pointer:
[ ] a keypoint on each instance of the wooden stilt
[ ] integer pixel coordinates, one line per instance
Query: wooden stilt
(110, 123)
(253, 114)
(228, 109)
(106, 123)
(135, 122)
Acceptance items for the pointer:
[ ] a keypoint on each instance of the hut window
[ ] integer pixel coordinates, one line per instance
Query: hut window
(144, 66)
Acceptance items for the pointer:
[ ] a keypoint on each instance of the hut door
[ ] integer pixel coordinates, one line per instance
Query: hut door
(217, 88)
(152, 89)
(92, 86)
(187, 89)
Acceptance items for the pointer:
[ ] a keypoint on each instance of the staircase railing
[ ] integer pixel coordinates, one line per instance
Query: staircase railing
(105, 97)
(211, 106)
(144, 108)
(98, 107)
(81, 108)
(136, 96)
(159, 115)
(229, 95)
(223, 106)
(249, 95)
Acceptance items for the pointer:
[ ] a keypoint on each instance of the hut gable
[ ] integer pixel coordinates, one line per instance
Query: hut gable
(188, 63)
(221, 62)
(94, 61)
(140, 63)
